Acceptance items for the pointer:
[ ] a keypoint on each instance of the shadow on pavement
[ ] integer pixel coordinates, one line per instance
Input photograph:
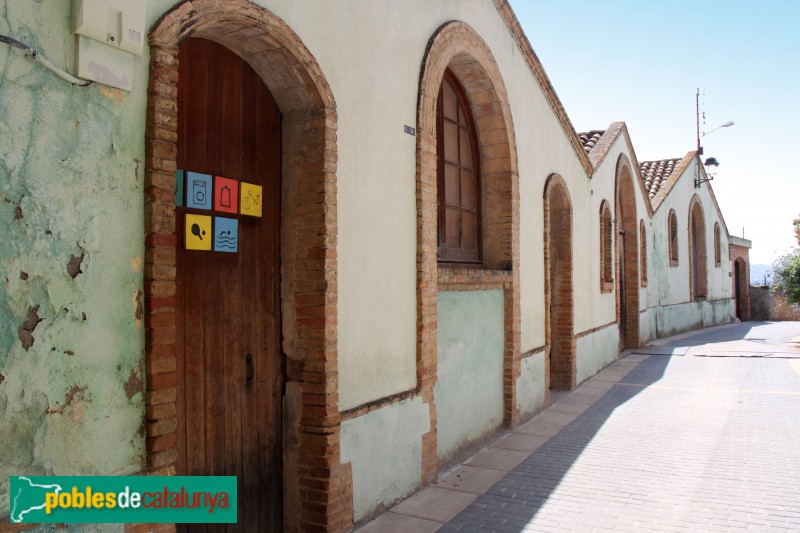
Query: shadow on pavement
(515, 500)
(738, 332)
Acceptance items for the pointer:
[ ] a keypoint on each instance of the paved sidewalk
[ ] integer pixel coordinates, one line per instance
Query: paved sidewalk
(699, 433)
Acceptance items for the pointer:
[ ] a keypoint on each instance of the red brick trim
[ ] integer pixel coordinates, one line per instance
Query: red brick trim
(380, 403)
(317, 487)
(629, 265)
(561, 370)
(473, 279)
(458, 47)
(594, 330)
(534, 351)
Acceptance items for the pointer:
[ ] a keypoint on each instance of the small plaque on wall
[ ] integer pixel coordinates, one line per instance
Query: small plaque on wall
(198, 190)
(226, 195)
(226, 234)
(198, 232)
(251, 200)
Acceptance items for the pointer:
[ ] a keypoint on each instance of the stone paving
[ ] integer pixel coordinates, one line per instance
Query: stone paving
(699, 433)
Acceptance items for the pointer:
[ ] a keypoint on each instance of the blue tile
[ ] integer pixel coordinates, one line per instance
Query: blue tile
(198, 190)
(226, 234)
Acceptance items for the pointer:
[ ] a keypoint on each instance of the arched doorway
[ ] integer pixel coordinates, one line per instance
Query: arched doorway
(627, 258)
(698, 271)
(741, 289)
(560, 364)
(230, 385)
(737, 287)
(307, 269)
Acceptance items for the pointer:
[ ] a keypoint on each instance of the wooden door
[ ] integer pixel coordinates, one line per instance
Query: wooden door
(228, 304)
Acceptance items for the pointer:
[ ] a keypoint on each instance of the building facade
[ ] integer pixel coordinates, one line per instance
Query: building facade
(426, 248)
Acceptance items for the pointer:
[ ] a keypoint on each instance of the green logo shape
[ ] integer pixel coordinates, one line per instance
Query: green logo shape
(123, 499)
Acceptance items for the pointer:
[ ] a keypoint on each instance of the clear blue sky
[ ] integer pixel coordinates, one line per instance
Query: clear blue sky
(641, 62)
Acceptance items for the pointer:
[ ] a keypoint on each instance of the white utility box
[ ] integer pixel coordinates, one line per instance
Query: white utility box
(109, 31)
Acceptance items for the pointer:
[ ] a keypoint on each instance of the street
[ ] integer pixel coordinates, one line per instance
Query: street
(697, 432)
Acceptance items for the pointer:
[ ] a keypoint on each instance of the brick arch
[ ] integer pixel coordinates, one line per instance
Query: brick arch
(627, 253)
(559, 294)
(698, 262)
(317, 488)
(456, 46)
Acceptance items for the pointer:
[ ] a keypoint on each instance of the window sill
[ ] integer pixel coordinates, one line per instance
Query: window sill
(606, 286)
(472, 277)
(673, 263)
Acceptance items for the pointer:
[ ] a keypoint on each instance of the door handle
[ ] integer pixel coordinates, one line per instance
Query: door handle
(248, 359)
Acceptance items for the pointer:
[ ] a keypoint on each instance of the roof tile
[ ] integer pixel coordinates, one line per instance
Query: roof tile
(655, 174)
(589, 139)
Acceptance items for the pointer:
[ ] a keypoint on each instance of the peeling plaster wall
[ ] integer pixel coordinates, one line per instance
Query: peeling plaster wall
(71, 336)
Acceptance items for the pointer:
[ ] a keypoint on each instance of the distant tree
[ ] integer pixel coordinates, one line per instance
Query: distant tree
(796, 223)
(786, 276)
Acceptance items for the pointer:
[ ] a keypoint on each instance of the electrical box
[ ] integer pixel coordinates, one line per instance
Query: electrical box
(110, 34)
(117, 23)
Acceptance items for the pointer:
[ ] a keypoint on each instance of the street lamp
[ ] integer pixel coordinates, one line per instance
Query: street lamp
(700, 148)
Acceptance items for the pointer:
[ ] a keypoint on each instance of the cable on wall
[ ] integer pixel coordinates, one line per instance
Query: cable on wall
(39, 58)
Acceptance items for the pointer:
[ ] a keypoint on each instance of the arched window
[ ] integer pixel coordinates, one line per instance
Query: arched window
(717, 252)
(643, 253)
(673, 238)
(459, 198)
(606, 265)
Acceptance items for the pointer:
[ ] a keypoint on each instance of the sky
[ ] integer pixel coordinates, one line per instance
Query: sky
(642, 62)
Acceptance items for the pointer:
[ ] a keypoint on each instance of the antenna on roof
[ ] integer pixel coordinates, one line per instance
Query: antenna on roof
(697, 116)
(711, 161)
(697, 111)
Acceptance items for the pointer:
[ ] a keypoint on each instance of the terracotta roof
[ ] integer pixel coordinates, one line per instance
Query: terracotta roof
(655, 174)
(589, 139)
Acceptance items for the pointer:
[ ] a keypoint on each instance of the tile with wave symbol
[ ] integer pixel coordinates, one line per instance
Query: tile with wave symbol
(226, 234)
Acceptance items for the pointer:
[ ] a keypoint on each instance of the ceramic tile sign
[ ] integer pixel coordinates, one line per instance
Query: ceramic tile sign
(226, 195)
(250, 200)
(179, 182)
(198, 232)
(226, 234)
(198, 190)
